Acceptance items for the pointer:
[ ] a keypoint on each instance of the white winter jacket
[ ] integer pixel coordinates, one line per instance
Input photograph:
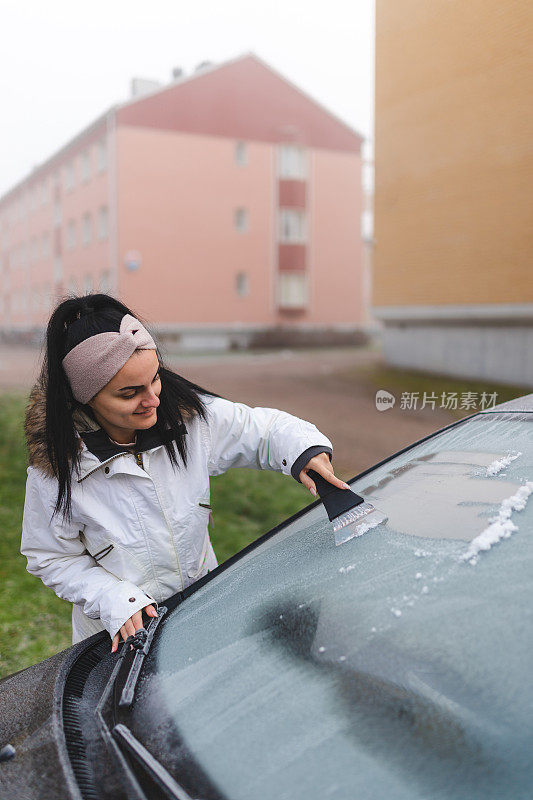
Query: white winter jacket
(139, 531)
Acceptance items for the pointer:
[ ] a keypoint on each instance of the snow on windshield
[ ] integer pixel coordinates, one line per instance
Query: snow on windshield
(501, 526)
(501, 463)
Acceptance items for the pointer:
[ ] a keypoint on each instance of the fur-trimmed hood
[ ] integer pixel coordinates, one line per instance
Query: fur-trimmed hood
(35, 428)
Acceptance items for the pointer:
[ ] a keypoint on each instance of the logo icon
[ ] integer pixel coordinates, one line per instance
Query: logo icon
(384, 400)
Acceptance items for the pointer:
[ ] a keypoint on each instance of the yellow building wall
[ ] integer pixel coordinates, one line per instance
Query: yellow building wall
(453, 152)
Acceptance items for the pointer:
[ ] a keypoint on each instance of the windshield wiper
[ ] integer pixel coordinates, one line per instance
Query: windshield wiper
(132, 786)
(141, 643)
(151, 765)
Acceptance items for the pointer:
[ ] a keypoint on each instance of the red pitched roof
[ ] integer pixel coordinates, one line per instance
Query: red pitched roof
(242, 99)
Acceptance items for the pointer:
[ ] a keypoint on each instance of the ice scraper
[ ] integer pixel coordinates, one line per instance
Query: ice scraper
(349, 513)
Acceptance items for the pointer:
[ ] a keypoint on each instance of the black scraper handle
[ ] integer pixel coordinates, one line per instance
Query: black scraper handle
(336, 501)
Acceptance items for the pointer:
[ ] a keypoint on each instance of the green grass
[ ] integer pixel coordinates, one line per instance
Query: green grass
(248, 503)
(34, 622)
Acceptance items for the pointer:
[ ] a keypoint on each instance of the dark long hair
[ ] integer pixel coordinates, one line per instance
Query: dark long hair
(73, 321)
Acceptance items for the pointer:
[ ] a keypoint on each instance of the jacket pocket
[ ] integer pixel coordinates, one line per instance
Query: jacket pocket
(102, 553)
(202, 518)
(119, 561)
(195, 571)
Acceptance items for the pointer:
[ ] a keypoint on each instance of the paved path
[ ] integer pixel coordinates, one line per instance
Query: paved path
(328, 387)
(324, 387)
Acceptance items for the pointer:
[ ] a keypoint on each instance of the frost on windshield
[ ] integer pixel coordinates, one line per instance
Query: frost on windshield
(441, 495)
(311, 671)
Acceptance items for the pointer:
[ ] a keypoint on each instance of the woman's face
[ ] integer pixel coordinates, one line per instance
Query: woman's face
(129, 401)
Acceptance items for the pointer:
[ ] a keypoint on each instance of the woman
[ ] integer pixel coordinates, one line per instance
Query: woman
(120, 450)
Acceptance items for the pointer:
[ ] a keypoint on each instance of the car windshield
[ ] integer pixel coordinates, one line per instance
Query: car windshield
(395, 665)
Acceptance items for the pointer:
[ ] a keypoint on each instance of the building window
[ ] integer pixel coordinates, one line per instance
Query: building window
(85, 166)
(57, 212)
(101, 156)
(105, 281)
(292, 162)
(45, 246)
(69, 177)
(86, 229)
(102, 222)
(241, 154)
(292, 290)
(23, 203)
(48, 296)
(58, 269)
(292, 227)
(71, 235)
(241, 220)
(242, 284)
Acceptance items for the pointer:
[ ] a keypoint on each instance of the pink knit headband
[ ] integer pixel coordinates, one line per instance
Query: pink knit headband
(93, 362)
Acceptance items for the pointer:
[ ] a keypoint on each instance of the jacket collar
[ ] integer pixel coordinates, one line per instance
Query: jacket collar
(98, 449)
(96, 446)
(99, 444)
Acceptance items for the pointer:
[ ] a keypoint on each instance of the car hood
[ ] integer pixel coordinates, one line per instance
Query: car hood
(30, 720)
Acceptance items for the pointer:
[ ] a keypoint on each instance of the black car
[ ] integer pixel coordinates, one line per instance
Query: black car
(397, 665)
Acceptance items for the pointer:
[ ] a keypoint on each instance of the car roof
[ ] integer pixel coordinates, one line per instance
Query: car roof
(524, 403)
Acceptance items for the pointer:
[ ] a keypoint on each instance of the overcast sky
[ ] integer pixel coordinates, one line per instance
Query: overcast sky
(63, 63)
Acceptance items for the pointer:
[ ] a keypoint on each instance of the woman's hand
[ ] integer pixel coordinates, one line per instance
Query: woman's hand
(132, 625)
(322, 465)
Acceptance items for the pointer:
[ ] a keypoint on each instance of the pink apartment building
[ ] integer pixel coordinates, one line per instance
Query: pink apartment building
(221, 207)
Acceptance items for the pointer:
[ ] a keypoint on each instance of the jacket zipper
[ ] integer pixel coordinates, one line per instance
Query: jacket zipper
(139, 460)
(167, 523)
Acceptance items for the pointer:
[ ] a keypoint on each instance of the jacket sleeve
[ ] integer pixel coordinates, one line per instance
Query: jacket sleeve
(261, 438)
(56, 555)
